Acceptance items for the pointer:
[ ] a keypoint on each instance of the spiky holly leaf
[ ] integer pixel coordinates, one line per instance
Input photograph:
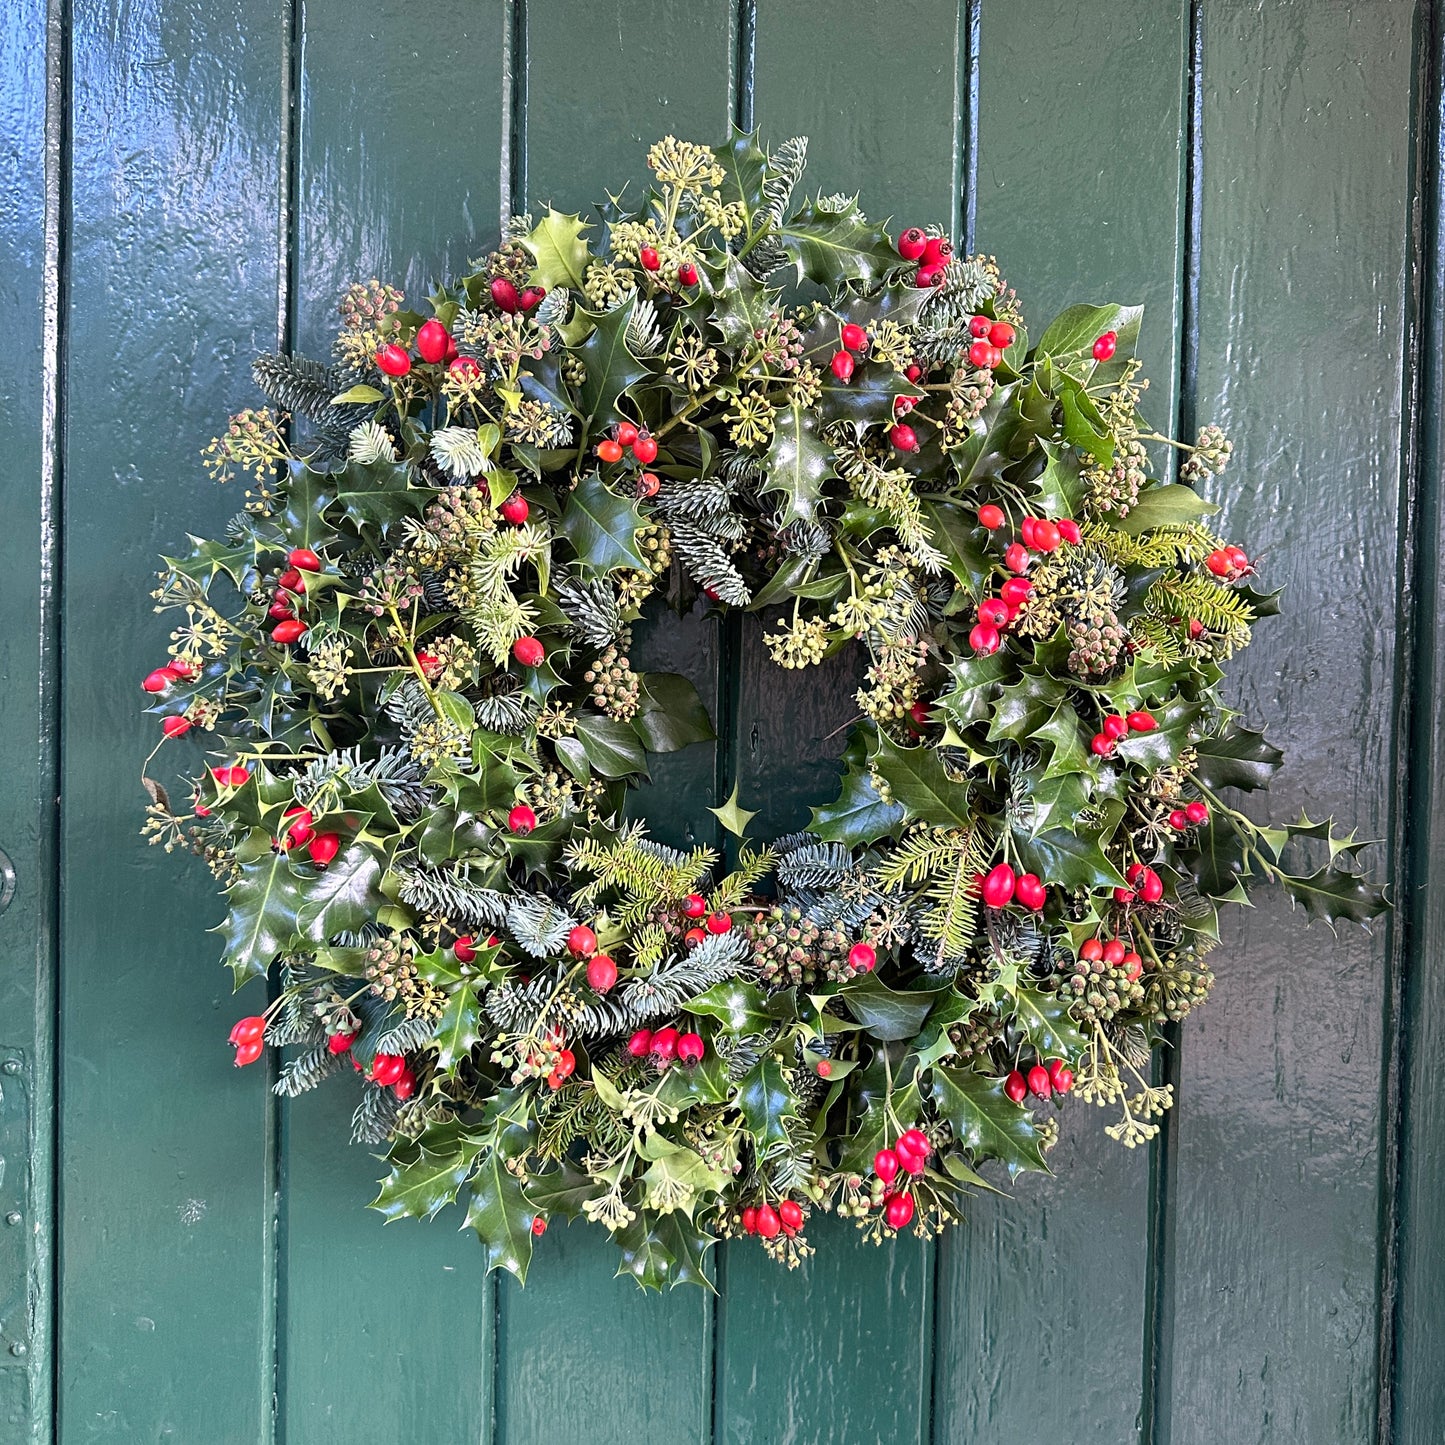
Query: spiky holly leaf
(1334, 893)
(955, 532)
(427, 1175)
(557, 247)
(986, 1121)
(1063, 736)
(686, 1243)
(1025, 705)
(458, 1029)
(1069, 857)
(916, 779)
(868, 395)
(563, 1190)
(611, 367)
(1218, 865)
(306, 494)
(741, 304)
(858, 815)
(797, 464)
(745, 170)
(501, 1214)
(1237, 758)
(975, 683)
(1048, 1025)
(986, 450)
(206, 558)
(375, 496)
(263, 903)
(766, 1102)
(1056, 802)
(733, 816)
(601, 527)
(833, 246)
(646, 1255)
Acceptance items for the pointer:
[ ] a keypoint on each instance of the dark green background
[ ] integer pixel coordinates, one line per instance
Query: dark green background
(185, 182)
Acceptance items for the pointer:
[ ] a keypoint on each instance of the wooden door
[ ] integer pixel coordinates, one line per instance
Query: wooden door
(187, 182)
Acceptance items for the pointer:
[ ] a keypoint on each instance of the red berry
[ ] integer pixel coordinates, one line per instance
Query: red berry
(687, 274)
(300, 831)
(324, 847)
(304, 559)
(914, 371)
(1016, 557)
(521, 819)
(1015, 590)
(768, 1222)
(694, 905)
(1015, 1087)
(1124, 896)
(1151, 886)
(601, 972)
(980, 326)
(915, 1141)
(248, 1053)
(664, 1044)
(529, 651)
(824, 1068)
(1142, 722)
(280, 611)
(990, 516)
(1063, 1081)
(1104, 346)
(694, 936)
(1178, 820)
(1134, 872)
(565, 1066)
(539, 1226)
(180, 670)
(1031, 892)
(1039, 1081)
(854, 337)
(1102, 744)
(247, 1030)
(936, 251)
(719, 922)
(1238, 558)
(886, 1165)
(515, 509)
(1115, 726)
(339, 1043)
(533, 297)
(912, 244)
(1069, 531)
(993, 611)
(290, 581)
(1196, 812)
(1092, 950)
(919, 714)
(393, 361)
(903, 437)
(1046, 536)
(386, 1069)
(998, 886)
(841, 365)
(1219, 564)
(432, 341)
(287, 632)
(1001, 334)
(791, 1214)
(984, 639)
(690, 1049)
(1132, 965)
(626, 433)
(1055, 1067)
(465, 368)
(862, 958)
(898, 1211)
(649, 258)
(464, 950)
(979, 353)
(750, 1220)
(582, 942)
(230, 777)
(609, 450)
(645, 450)
(1027, 525)
(505, 296)
(640, 1044)
(1196, 628)
(1114, 952)
(405, 1086)
(995, 357)
(174, 727)
(157, 681)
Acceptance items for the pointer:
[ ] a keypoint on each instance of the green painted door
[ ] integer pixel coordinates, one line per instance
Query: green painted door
(184, 1259)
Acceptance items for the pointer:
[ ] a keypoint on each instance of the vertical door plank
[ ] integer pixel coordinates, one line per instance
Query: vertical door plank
(841, 1349)
(634, 72)
(1071, 216)
(29, 745)
(388, 1331)
(1302, 308)
(166, 1187)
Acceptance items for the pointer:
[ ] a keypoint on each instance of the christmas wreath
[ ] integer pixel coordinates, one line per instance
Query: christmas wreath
(413, 647)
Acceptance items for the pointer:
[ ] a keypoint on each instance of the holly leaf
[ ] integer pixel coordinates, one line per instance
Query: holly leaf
(975, 681)
(858, 815)
(421, 1185)
(1239, 757)
(263, 901)
(1024, 705)
(1048, 1025)
(501, 1215)
(916, 778)
(734, 817)
(886, 1013)
(611, 367)
(985, 451)
(868, 395)
(955, 534)
(376, 495)
(1057, 801)
(741, 304)
(1218, 865)
(1174, 505)
(1066, 857)
(766, 1103)
(741, 1008)
(832, 246)
(1063, 735)
(342, 896)
(601, 527)
(986, 1121)
(797, 464)
(1333, 893)
(458, 1029)
(671, 714)
(563, 1190)
(207, 558)
(686, 1243)
(871, 1103)
(645, 1255)
(676, 1176)
(306, 495)
(745, 170)
(557, 247)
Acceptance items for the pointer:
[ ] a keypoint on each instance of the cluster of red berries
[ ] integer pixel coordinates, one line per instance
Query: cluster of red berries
(290, 588)
(1190, 816)
(1115, 952)
(601, 967)
(1229, 562)
(1044, 1079)
(1144, 884)
(247, 1036)
(909, 1155)
(505, 297)
(434, 345)
(300, 833)
(767, 1222)
(933, 253)
(651, 260)
(695, 907)
(1118, 726)
(391, 1071)
(159, 681)
(854, 339)
(999, 887)
(990, 340)
(628, 437)
(666, 1045)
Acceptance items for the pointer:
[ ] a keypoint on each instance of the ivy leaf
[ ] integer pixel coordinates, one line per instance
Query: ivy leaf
(263, 901)
(766, 1103)
(858, 815)
(832, 247)
(601, 527)
(501, 1215)
(458, 1029)
(342, 896)
(558, 249)
(916, 778)
(671, 714)
(1083, 427)
(611, 746)
(886, 1013)
(1045, 1020)
(611, 367)
(1174, 505)
(678, 1173)
(420, 1186)
(1077, 328)
(986, 1121)
(797, 464)
(1237, 758)
(1060, 485)
(365, 395)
